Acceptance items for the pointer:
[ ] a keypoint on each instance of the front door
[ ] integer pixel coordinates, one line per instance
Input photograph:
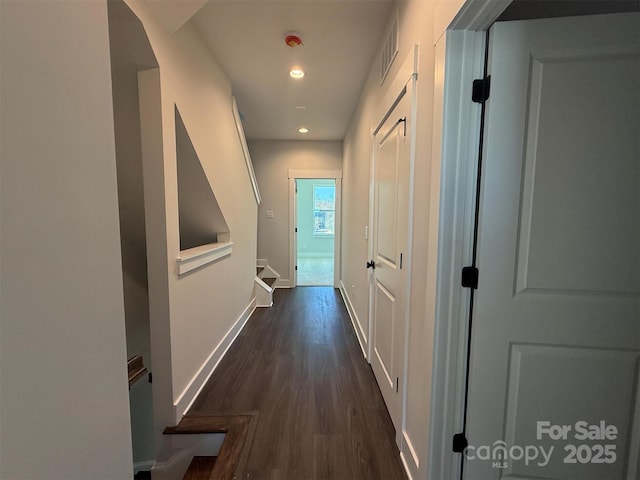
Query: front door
(390, 240)
(555, 349)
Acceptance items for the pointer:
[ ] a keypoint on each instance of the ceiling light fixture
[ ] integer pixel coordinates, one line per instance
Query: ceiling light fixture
(296, 73)
(303, 130)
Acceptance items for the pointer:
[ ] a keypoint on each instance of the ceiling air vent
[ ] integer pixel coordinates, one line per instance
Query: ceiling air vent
(389, 48)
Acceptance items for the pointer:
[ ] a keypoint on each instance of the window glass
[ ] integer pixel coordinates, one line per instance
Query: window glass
(324, 209)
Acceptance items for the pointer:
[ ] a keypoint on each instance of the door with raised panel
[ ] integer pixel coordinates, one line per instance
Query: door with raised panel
(555, 342)
(391, 197)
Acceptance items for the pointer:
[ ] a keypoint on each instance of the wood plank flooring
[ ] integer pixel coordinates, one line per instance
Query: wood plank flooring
(320, 413)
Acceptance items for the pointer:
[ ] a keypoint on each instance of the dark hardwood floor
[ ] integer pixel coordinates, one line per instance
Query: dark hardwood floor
(319, 412)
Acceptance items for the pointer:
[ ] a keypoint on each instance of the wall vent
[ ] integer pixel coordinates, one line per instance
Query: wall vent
(389, 48)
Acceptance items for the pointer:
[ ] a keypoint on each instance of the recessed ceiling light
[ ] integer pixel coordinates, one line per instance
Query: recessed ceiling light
(303, 130)
(296, 73)
(301, 107)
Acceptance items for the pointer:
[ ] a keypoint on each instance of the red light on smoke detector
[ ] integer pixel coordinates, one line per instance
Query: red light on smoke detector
(293, 40)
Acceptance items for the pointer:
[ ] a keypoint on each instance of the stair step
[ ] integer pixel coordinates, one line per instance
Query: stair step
(259, 270)
(200, 468)
(269, 281)
(238, 429)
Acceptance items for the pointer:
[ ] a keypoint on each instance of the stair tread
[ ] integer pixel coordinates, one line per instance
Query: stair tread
(259, 270)
(201, 467)
(269, 281)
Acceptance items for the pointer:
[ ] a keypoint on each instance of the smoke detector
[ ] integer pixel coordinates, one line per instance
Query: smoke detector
(293, 39)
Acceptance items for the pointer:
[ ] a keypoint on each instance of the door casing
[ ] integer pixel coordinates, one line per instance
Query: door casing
(461, 49)
(293, 219)
(402, 85)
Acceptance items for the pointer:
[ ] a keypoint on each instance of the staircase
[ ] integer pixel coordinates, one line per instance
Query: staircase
(204, 447)
(264, 285)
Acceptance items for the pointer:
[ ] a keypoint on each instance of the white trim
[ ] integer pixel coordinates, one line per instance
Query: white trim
(461, 123)
(263, 293)
(403, 459)
(406, 75)
(403, 85)
(320, 174)
(284, 283)
(460, 132)
(197, 257)
(245, 151)
(262, 262)
(412, 451)
(337, 243)
(408, 70)
(293, 225)
(264, 285)
(478, 15)
(199, 380)
(353, 316)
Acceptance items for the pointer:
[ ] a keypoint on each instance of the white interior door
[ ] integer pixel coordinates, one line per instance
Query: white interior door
(556, 330)
(390, 239)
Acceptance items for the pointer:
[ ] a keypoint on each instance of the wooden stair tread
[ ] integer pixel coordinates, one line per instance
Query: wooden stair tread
(200, 468)
(269, 281)
(238, 429)
(259, 270)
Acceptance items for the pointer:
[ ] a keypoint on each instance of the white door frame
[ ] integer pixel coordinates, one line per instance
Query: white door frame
(293, 220)
(403, 84)
(463, 56)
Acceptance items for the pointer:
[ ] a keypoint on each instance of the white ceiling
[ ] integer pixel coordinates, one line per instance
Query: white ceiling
(341, 38)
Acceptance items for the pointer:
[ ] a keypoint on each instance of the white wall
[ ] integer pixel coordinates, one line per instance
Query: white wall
(272, 161)
(198, 309)
(64, 410)
(420, 23)
(129, 49)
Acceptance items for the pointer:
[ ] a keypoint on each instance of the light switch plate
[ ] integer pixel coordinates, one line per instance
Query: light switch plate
(269, 213)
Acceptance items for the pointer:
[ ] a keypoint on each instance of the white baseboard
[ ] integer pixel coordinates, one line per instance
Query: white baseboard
(262, 262)
(284, 283)
(189, 394)
(407, 470)
(354, 319)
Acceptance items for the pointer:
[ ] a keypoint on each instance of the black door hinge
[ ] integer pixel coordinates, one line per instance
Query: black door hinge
(470, 277)
(296, 267)
(150, 377)
(459, 442)
(397, 382)
(296, 229)
(481, 89)
(404, 126)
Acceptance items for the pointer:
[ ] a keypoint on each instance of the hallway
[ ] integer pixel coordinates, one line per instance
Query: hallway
(320, 412)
